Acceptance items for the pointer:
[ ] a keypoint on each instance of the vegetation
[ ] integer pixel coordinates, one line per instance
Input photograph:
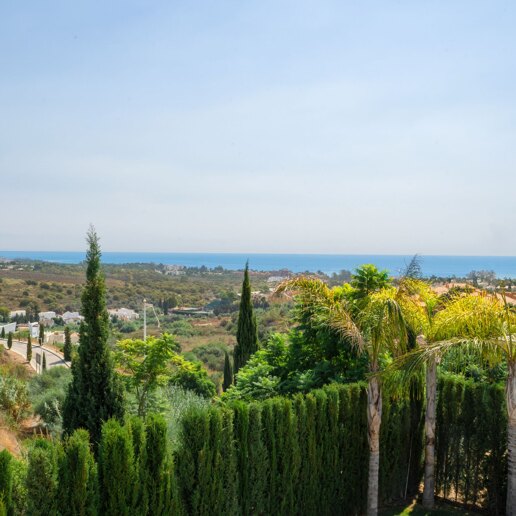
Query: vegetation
(94, 394)
(247, 338)
(67, 348)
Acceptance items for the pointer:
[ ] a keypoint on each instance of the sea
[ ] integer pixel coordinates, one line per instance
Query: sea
(431, 265)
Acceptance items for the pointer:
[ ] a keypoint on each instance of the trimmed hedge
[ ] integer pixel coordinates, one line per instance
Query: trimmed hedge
(471, 443)
(306, 455)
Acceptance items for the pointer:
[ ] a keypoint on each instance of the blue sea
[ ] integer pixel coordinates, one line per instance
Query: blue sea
(431, 265)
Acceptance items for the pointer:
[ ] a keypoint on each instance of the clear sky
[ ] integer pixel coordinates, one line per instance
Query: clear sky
(266, 126)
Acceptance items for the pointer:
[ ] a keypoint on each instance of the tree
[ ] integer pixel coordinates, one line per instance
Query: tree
(94, 394)
(42, 478)
(10, 340)
(192, 377)
(145, 364)
(228, 372)
(67, 348)
(2, 334)
(6, 480)
(29, 348)
(78, 490)
(41, 334)
(486, 325)
(44, 362)
(247, 337)
(372, 320)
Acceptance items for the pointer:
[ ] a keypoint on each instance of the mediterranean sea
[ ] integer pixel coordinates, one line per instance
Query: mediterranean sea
(431, 265)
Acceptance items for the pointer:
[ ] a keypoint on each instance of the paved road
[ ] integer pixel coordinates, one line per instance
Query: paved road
(53, 358)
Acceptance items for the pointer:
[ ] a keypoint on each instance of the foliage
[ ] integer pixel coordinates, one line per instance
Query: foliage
(14, 398)
(48, 393)
(29, 348)
(471, 445)
(94, 394)
(228, 372)
(145, 365)
(6, 480)
(247, 337)
(42, 478)
(191, 376)
(67, 348)
(10, 340)
(78, 487)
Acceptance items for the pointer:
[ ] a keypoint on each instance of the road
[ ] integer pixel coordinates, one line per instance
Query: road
(53, 358)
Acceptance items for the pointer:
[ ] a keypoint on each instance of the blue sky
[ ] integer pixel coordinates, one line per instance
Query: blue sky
(270, 126)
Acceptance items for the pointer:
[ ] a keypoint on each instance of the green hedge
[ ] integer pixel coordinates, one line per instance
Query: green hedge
(284, 456)
(471, 443)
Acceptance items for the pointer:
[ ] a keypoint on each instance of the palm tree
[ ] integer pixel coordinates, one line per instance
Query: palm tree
(486, 324)
(375, 325)
(421, 305)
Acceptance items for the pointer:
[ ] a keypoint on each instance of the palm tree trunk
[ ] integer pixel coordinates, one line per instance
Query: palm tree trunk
(374, 419)
(431, 396)
(510, 395)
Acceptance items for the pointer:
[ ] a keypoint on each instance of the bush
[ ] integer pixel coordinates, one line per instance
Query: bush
(14, 397)
(48, 392)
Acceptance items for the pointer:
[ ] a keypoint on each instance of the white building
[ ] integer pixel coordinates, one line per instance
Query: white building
(9, 327)
(124, 314)
(17, 313)
(47, 318)
(72, 317)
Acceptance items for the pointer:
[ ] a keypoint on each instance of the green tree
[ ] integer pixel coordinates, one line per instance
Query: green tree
(146, 365)
(2, 335)
(117, 474)
(44, 362)
(41, 334)
(67, 348)
(6, 480)
(247, 337)
(10, 340)
(42, 479)
(228, 372)
(94, 394)
(78, 488)
(373, 322)
(486, 325)
(368, 279)
(29, 348)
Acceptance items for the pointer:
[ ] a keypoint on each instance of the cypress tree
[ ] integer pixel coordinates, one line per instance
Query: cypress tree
(228, 372)
(2, 335)
(41, 334)
(67, 348)
(6, 480)
(9, 340)
(42, 479)
(117, 475)
(44, 363)
(247, 338)
(29, 348)
(78, 488)
(94, 394)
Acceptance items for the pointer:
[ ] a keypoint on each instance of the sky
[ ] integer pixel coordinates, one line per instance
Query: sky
(383, 127)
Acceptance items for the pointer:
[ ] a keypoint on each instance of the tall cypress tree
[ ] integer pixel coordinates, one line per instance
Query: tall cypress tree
(247, 338)
(67, 348)
(228, 372)
(29, 348)
(44, 363)
(2, 335)
(10, 340)
(94, 394)
(41, 334)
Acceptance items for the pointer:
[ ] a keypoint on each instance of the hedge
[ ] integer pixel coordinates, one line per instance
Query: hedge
(471, 443)
(304, 455)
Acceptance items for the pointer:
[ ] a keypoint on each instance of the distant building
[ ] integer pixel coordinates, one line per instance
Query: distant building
(17, 313)
(174, 270)
(124, 314)
(57, 337)
(276, 279)
(9, 327)
(72, 317)
(47, 318)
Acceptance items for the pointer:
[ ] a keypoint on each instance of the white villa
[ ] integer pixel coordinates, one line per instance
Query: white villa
(72, 317)
(124, 314)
